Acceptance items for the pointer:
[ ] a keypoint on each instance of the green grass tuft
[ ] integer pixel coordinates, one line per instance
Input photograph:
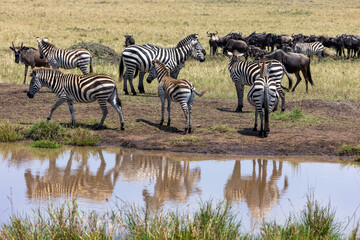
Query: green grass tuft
(51, 131)
(294, 115)
(221, 128)
(82, 137)
(347, 150)
(9, 132)
(45, 144)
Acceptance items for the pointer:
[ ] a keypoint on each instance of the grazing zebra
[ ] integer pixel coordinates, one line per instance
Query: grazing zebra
(245, 73)
(139, 57)
(263, 95)
(313, 48)
(80, 88)
(63, 58)
(176, 90)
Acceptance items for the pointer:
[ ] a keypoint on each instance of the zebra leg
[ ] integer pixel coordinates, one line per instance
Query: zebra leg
(114, 100)
(185, 109)
(71, 108)
(56, 105)
(162, 98)
(282, 96)
(129, 72)
(189, 107)
(262, 132)
(298, 80)
(104, 110)
(256, 118)
(141, 82)
(240, 95)
(169, 110)
(26, 69)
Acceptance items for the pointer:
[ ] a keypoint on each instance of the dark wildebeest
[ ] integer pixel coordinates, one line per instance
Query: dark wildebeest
(28, 56)
(213, 42)
(238, 45)
(129, 40)
(293, 62)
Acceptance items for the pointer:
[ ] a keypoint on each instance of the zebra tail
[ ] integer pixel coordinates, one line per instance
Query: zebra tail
(136, 72)
(91, 66)
(118, 101)
(266, 106)
(200, 94)
(121, 69)
(309, 75)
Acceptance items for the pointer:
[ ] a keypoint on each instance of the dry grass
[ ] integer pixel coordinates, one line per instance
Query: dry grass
(164, 23)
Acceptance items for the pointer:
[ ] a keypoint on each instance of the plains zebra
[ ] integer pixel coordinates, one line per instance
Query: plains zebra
(63, 58)
(313, 48)
(263, 95)
(139, 57)
(176, 90)
(81, 88)
(244, 73)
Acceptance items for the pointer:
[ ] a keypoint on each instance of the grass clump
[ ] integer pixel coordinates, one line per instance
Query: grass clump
(45, 144)
(9, 132)
(294, 115)
(347, 150)
(221, 128)
(82, 137)
(187, 139)
(51, 131)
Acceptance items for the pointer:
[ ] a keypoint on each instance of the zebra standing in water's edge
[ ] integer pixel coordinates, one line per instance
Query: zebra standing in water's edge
(263, 95)
(63, 58)
(79, 88)
(176, 90)
(313, 48)
(245, 73)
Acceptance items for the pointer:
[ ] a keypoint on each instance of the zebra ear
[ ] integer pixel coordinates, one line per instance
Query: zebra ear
(33, 73)
(38, 39)
(230, 54)
(46, 39)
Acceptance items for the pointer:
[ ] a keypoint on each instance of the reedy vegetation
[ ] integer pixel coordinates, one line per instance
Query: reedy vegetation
(68, 23)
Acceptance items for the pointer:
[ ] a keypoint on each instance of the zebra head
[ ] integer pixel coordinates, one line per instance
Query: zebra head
(35, 85)
(197, 51)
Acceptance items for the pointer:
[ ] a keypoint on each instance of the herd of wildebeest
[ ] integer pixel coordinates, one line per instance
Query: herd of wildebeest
(293, 54)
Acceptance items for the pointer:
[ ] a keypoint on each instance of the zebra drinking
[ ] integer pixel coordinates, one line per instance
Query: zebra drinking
(139, 57)
(79, 88)
(245, 73)
(63, 58)
(176, 90)
(313, 48)
(263, 95)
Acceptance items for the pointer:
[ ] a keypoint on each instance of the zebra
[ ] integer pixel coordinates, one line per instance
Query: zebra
(139, 57)
(313, 48)
(63, 58)
(245, 73)
(175, 90)
(79, 88)
(263, 94)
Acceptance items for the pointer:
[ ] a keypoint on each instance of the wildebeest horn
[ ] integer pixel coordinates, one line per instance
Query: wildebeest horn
(21, 45)
(216, 32)
(13, 45)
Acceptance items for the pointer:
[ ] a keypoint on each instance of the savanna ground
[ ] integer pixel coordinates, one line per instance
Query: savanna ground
(331, 109)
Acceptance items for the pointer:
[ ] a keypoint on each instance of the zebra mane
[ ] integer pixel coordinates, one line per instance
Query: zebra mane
(47, 44)
(188, 39)
(163, 67)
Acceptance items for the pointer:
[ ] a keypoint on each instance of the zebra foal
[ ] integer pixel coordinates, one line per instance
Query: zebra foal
(79, 88)
(263, 95)
(63, 58)
(175, 90)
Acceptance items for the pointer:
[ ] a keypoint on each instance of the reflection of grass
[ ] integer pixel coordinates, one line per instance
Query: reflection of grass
(294, 115)
(187, 139)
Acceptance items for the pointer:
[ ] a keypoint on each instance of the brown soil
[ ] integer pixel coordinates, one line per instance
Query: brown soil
(337, 124)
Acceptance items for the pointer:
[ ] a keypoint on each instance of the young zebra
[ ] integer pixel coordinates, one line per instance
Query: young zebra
(313, 48)
(245, 73)
(63, 58)
(176, 90)
(79, 88)
(139, 57)
(263, 95)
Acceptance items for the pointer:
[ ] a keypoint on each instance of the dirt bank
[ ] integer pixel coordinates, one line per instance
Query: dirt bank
(216, 127)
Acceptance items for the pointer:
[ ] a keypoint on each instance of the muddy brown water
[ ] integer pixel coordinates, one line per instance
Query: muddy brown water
(259, 188)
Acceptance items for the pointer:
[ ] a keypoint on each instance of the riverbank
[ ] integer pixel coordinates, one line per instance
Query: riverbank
(308, 127)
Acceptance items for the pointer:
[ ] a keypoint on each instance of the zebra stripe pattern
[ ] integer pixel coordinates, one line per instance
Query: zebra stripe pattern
(175, 90)
(313, 48)
(63, 58)
(139, 57)
(79, 88)
(263, 95)
(245, 73)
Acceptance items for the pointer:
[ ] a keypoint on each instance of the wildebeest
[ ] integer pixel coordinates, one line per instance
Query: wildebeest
(212, 42)
(293, 63)
(238, 45)
(129, 40)
(28, 56)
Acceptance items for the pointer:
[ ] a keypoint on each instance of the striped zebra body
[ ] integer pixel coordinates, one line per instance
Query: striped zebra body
(175, 90)
(313, 48)
(245, 73)
(67, 59)
(79, 88)
(139, 57)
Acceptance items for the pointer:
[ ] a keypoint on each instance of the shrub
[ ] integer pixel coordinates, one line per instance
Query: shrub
(8, 132)
(82, 137)
(51, 131)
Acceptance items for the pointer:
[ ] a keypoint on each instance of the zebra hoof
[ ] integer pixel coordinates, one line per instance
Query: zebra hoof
(238, 109)
(48, 119)
(98, 127)
(168, 123)
(122, 127)
(186, 130)
(134, 93)
(126, 92)
(189, 130)
(161, 122)
(254, 129)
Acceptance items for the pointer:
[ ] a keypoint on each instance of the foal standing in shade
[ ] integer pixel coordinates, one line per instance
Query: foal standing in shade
(176, 90)
(263, 95)
(80, 88)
